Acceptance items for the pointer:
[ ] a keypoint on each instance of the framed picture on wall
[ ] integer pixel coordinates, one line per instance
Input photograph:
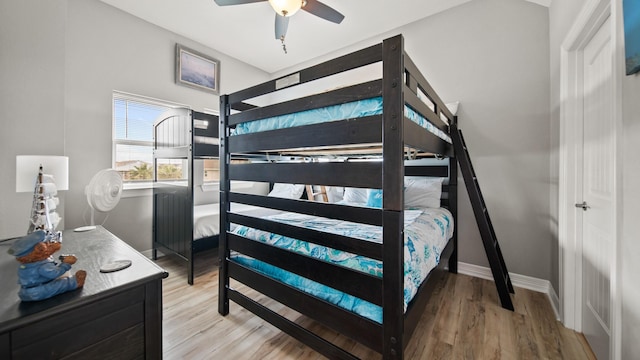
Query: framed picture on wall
(197, 70)
(631, 9)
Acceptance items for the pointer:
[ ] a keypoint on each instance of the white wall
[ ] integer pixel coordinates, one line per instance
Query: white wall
(73, 55)
(493, 57)
(630, 246)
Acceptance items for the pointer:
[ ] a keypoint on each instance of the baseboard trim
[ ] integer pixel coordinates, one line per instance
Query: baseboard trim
(523, 281)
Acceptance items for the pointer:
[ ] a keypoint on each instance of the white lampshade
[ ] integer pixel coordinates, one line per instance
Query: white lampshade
(286, 7)
(27, 167)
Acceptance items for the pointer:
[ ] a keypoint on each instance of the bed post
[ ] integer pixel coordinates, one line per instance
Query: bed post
(453, 207)
(225, 185)
(189, 240)
(393, 198)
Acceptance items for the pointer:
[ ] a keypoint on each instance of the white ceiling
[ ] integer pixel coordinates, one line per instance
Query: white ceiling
(246, 32)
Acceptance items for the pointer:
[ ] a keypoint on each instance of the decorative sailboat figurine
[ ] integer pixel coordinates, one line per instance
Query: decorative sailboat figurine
(43, 214)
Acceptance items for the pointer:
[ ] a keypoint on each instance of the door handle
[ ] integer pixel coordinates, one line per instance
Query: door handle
(584, 206)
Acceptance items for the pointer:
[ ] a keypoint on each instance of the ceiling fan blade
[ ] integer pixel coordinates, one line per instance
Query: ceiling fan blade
(235, 2)
(321, 10)
(282, 23)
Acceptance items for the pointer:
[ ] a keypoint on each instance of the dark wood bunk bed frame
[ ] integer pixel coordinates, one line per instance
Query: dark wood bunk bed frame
(391, 134)
(181, 137)
(399, 85)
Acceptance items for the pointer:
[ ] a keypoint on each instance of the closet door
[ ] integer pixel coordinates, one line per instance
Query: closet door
(598, 191)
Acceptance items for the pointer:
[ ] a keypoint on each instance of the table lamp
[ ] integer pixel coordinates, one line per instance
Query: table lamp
(43, 175)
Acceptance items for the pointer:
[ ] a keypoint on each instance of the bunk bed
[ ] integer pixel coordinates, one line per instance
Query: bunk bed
(182, 136)
(362, 150)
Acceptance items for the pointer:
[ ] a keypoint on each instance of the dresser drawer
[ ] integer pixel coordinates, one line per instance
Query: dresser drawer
(100, 322)
(5, 346)
(127, 344)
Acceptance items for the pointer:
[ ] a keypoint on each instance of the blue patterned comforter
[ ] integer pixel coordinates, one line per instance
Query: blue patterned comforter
(350, 110)
(426, 234)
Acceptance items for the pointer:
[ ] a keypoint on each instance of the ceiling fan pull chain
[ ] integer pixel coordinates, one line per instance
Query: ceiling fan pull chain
(284, 47)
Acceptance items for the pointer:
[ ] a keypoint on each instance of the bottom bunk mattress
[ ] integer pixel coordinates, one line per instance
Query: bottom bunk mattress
(426, 233)
(206, 218)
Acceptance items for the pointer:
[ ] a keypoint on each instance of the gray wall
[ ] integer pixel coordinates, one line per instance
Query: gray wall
(493, 57)
(32, 48)
(135, 57)
(84, 50)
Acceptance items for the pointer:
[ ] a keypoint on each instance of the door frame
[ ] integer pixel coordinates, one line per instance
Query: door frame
(593, 15)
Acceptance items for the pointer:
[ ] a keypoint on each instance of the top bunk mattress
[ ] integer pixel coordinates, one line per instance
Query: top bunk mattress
(350, 110)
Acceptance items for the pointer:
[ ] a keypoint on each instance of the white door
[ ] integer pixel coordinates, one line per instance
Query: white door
(598, 190)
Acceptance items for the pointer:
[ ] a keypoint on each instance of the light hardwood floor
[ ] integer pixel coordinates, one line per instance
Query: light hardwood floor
(463, 320)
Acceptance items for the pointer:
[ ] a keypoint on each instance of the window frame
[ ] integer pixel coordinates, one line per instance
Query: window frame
(141, 185)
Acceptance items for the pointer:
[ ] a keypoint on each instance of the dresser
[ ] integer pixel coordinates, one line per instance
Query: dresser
(116, 315)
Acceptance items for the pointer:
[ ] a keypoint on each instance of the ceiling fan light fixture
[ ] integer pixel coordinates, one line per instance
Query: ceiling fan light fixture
(286, 7)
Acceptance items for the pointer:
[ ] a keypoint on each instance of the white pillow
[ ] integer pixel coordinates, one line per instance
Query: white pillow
(355, 195)
(422, 192)
(334, 193)
(288, 191)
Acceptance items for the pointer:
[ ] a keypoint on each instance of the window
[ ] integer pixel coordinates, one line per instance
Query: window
(133, 119)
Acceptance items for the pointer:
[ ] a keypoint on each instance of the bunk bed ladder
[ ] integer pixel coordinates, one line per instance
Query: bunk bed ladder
(489, 239)
(311, 195)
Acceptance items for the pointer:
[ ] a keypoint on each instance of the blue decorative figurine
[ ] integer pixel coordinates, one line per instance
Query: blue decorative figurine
(39, 275)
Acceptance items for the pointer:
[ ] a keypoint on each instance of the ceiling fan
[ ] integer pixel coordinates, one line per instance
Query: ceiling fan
(286, 8)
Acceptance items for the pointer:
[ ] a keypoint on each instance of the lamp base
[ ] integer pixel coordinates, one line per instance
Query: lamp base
(85, 228)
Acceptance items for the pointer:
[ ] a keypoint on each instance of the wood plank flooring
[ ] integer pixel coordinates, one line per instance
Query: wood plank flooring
(463, 320)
